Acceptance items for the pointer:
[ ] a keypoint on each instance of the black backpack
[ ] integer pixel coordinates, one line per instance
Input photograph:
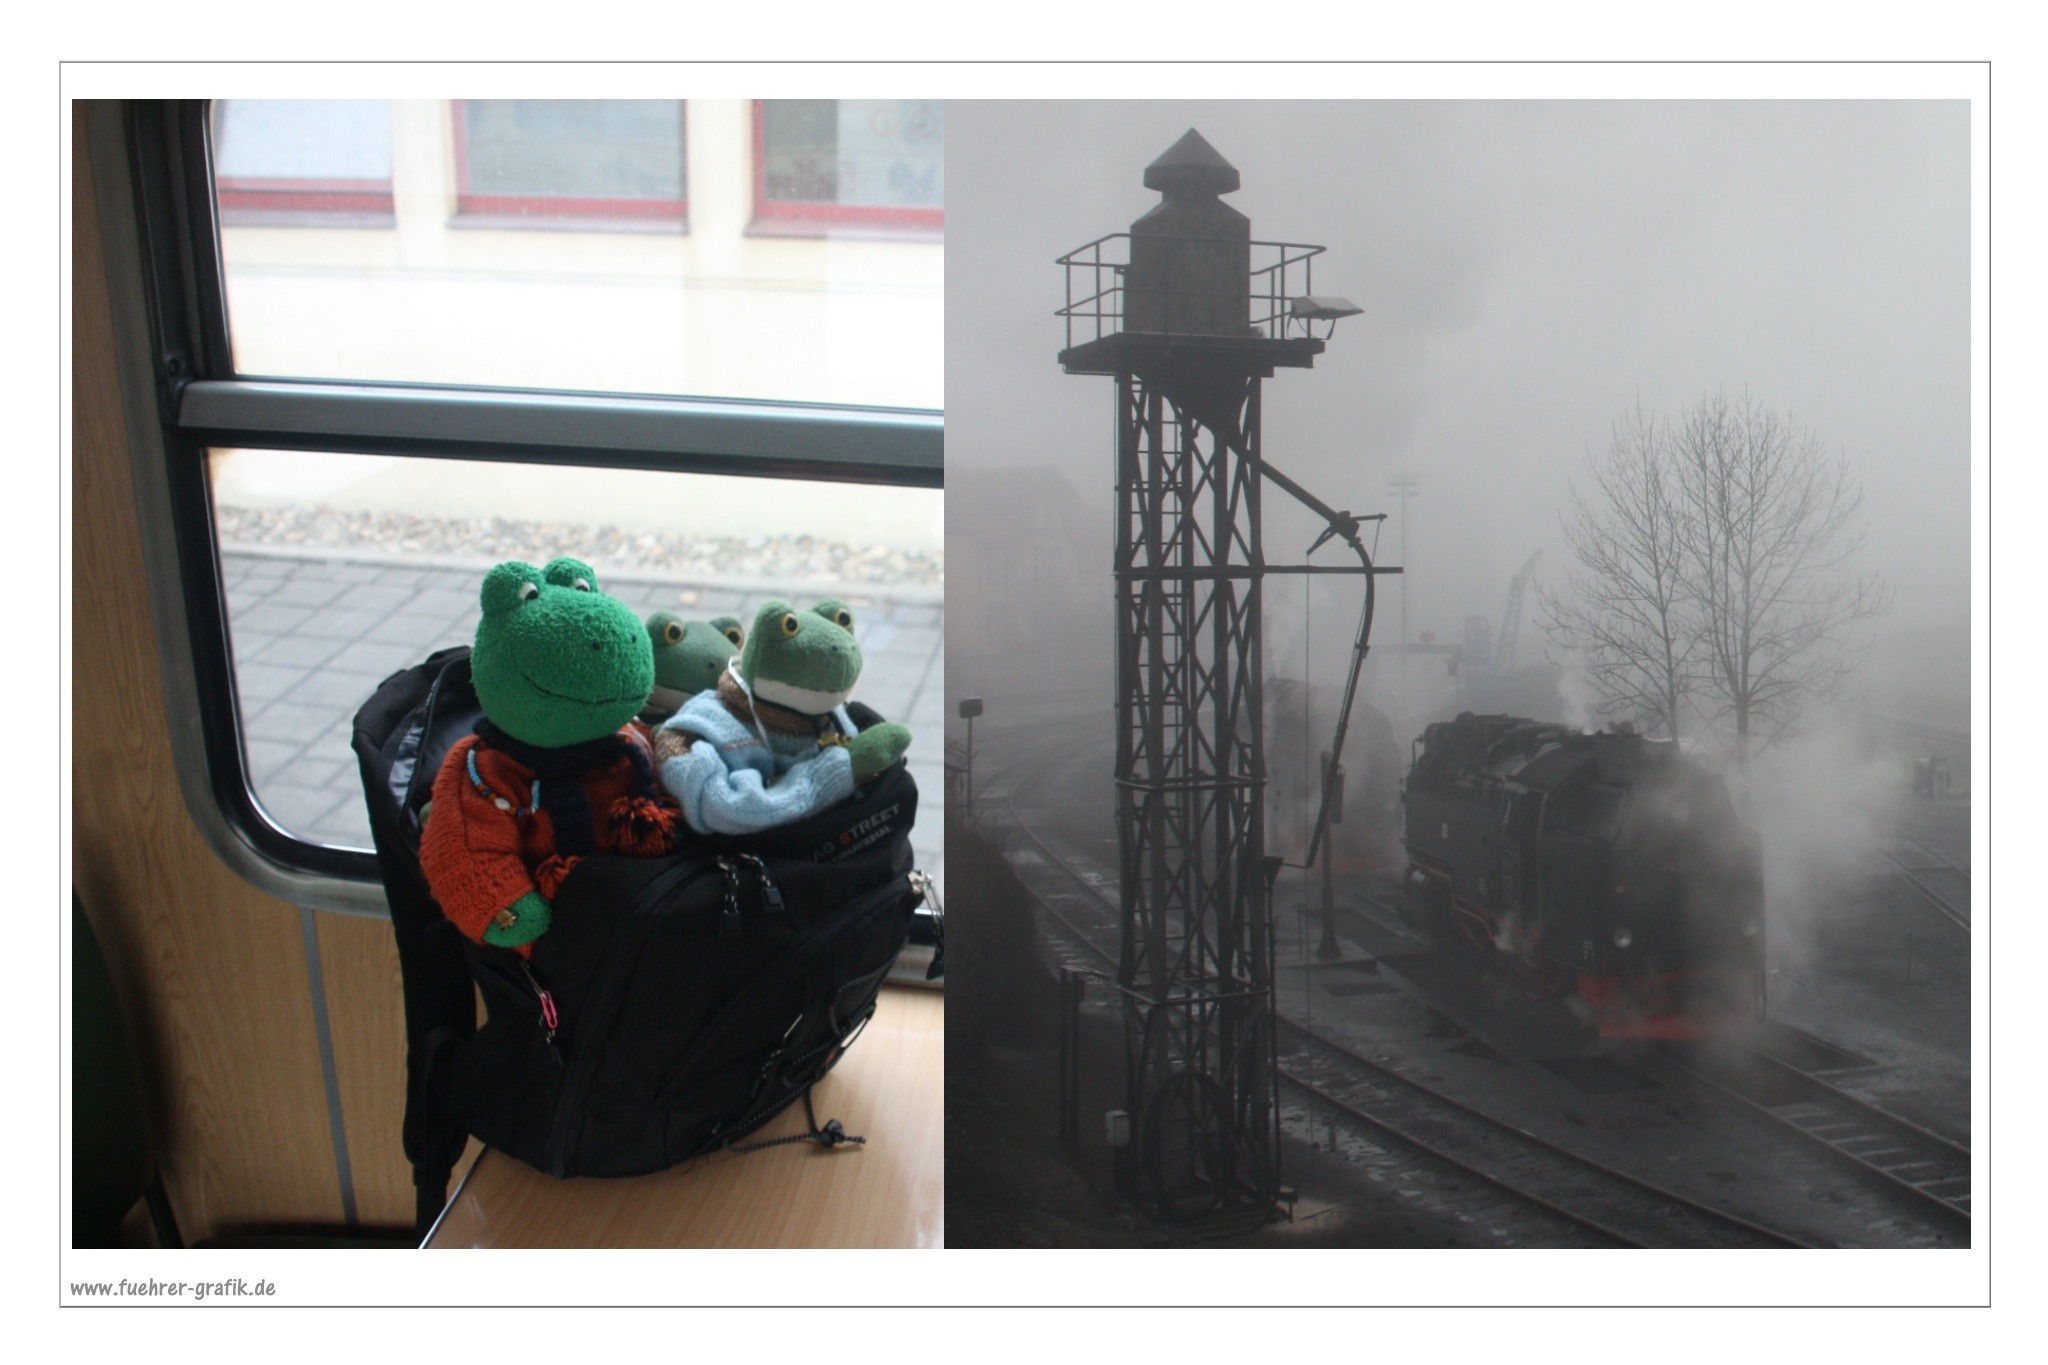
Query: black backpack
(675, 1005)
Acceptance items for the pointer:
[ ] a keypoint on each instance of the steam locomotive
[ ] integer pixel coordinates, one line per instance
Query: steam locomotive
(1609, 869)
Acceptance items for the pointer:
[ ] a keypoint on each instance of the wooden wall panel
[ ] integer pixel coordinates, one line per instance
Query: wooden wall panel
(366, 1018)
(213, 972)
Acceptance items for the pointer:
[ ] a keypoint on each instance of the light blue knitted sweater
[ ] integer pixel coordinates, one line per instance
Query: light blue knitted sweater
(730, 782)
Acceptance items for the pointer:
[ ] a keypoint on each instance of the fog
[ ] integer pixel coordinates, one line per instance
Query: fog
(1526, 271)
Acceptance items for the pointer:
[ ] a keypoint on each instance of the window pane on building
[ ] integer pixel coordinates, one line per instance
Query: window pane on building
(594, 150)
(854, 153)
(305, 157)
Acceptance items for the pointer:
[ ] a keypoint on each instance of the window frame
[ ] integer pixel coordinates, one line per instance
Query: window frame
(200, 402)
(564, 212)
(817, 218)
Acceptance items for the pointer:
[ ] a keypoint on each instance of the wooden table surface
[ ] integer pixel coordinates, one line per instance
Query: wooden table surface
(890, 1192)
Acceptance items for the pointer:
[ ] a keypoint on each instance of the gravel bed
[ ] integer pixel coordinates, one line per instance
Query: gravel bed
(621, 551)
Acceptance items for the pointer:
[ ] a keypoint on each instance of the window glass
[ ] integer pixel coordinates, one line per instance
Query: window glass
(289, 160)
(517, 253)
(561, 158)
(874, 161)
(339, 570)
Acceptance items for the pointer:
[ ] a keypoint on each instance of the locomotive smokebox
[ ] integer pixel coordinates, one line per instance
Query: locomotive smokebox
(1190, 266)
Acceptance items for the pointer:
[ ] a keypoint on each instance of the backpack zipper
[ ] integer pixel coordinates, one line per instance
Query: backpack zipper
(624, 946)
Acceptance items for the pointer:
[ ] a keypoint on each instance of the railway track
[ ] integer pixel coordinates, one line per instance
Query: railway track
(1531, 1190)
(1932, 1172)
(1939, 881)
(1631, 1212)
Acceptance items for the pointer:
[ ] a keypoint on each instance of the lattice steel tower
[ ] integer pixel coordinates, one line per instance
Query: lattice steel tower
(1189, 315)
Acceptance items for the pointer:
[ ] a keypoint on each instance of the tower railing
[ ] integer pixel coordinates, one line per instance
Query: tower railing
(1097, 295)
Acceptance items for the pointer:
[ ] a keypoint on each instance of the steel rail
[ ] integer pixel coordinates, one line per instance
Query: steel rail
(1828, 1118)
(1960, 918)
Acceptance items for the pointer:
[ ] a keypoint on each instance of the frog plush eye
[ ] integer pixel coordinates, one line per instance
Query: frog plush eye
(571, 573)
(509, 586)
(736, 635)
(843, 619)
(673, 632)
(789, 623)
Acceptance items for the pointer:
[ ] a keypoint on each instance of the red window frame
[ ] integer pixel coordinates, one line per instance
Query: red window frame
(536, 209)
(819, 214)
(296, 195)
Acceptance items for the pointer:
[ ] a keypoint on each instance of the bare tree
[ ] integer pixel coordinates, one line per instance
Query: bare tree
(1769, 524)
(1712, 572)
(1623, 611)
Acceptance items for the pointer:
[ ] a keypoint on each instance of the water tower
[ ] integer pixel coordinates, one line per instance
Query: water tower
(1189, 315)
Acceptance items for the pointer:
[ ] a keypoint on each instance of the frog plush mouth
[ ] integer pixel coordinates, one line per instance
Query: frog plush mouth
(807, 700)
(572, 699)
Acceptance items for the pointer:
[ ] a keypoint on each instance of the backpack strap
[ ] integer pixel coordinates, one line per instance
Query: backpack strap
(440, 1001)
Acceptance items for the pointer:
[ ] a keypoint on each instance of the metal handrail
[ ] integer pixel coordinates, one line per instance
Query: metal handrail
(1096, 289)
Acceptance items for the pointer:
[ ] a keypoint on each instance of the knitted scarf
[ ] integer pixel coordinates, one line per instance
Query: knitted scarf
(560, 772)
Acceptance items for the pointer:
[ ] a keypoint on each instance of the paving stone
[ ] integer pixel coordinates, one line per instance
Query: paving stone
(307, 589)
(297, 808)
(341, 624)
(326, 773)
(380, 597)
(379, 659)
(288, 721)
(335, 688)
(444, 603)
(346, 826)
(266, 758)
(269, 618)
(265, 682)
(418, 628)
(403, 575)
(307, 651)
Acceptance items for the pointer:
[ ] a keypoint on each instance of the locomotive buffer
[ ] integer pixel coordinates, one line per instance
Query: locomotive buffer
(1188, 314)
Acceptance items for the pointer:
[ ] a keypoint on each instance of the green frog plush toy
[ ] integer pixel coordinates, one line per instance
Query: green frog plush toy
(555, 770)
(773, 743)
(689, 656)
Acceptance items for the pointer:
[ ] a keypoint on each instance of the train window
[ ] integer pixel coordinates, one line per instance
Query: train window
(540, 162)
(314, 531)
(303, 163)
(537, 245)
(825, 164)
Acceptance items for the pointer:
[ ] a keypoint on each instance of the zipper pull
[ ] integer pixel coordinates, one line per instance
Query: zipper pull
(550, 1018)
(771, 894)
(729, 925)
(922, 883)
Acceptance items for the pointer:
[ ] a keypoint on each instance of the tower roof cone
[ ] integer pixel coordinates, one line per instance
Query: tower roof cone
(1191, 164)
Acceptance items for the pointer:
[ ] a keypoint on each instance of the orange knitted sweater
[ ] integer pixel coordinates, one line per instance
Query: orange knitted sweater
(490, 838)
